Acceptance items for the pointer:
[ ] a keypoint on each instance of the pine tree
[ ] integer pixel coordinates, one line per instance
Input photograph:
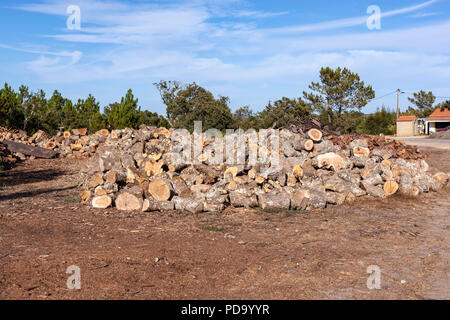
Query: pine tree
(124, 114)
(339, 91)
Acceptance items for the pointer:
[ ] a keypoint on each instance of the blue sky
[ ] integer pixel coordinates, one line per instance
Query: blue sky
(252, 51)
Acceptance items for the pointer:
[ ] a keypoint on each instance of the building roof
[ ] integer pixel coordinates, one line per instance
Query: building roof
(439, 114)
(406, 118)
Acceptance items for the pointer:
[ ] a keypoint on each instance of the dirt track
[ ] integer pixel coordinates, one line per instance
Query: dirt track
(239, 254)
(427, 142)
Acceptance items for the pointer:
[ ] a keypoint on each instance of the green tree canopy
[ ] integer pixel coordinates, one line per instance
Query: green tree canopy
(189, 103)
(423, 104)
(152, 119)
(282, 112)
(337, 92)
(124, 114)
(444, 105)
(382, 121)
(245, 118)
(34, 108)
(11, 115)
(86, 109)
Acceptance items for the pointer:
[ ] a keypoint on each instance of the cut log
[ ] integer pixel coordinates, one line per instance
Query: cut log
(50, 145)
(415, 191)
(101, 202)
(297, 172)
(349, 197)
(366, 172)
(331, 160)
(239, 200)
(390, 188)
(85, 196)
(373, 179)
(422, 182)
(153, 168)
(188, 204)
(386, 163)
(300, 144)
(335, 198)
(441, 177)
(160, 189)
(96, 180)
(232, 186)
(252, 173)
(180, 188)
(80, 131)
(66, 134)
(152, 205)
(211, 175)
(272, 201)
(260, 180)
(99, 191)
(115, 176)
(315, 135)
(291, 181)
(131, 176)
(212, 206)
(317, 199)
(361, 152)
(103, 132)
(38, 152)
(373, 190)
(126, 201)
(324, 147)
(230, 173)
(288, 149)
(299, 200)
(405, 185)
(76, 146)
(435, 185)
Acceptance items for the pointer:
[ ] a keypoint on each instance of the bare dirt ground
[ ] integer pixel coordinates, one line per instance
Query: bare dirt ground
(237, 254)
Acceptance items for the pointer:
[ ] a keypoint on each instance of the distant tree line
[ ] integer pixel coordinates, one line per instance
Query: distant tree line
(338, 98)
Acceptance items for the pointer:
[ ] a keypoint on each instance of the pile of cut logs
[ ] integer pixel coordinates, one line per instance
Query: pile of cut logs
(135, 170)
(399, 149)
(75, 143)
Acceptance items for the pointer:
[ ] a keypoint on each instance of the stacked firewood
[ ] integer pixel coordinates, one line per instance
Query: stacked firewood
(72, 144)
(138, 170)
(304, 124)
(399, 149)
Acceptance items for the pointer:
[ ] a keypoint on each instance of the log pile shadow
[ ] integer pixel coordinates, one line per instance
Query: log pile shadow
(32, 193)
(16, 177)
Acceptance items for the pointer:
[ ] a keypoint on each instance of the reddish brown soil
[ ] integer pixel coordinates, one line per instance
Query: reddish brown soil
(238, 254)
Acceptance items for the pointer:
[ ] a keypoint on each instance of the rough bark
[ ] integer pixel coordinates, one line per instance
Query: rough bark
(273, 201)
(29, 150)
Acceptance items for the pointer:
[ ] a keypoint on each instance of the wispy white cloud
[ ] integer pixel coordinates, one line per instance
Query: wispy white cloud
(344, 23)
(425, 14)
(258, 14)
(180, 41)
